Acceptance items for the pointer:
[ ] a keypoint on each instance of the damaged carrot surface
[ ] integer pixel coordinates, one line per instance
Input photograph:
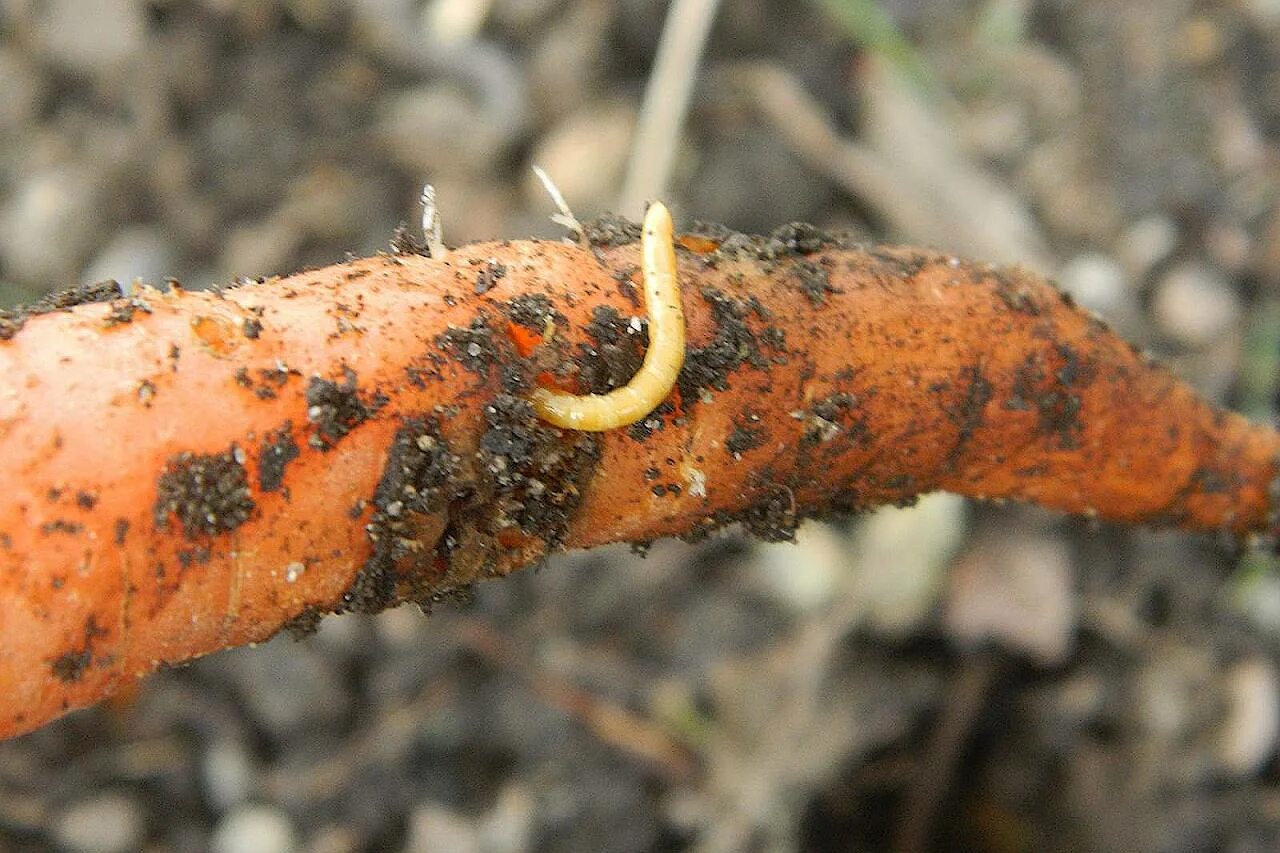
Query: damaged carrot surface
(185, 472)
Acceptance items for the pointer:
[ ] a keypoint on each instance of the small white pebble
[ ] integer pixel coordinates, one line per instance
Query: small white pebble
(227, 771)
(106, 823)
(1196, 305)
(1095, 281)
(1248, 734)
(254, 829)
(1147, 243)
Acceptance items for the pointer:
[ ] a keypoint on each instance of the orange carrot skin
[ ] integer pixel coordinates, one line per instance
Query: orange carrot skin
(193, 471)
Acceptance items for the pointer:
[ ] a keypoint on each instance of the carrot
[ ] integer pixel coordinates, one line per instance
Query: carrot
(187, 472)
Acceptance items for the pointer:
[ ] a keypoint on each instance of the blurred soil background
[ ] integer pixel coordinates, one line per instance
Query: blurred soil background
(952, 676)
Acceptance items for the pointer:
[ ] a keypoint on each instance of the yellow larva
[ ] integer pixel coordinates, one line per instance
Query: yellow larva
(662, 361)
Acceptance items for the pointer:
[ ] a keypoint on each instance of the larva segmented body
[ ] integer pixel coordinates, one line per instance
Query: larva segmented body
(662, 361)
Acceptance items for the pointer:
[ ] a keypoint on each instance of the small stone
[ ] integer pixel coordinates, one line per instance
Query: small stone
(401, 628)
(585, 155)
(570, 53)
(342, 634)
(803, 574)
(1265, 12)
(1248, 734)
(227, 770)
(1146, 243)
(44, 228)
(433, 827)
(1014, 589)
(508, 826)
(287, 686)
(900, 557)
(1195, 305)
(106, 823)
(1095, 281)
(1230, 246)
(453, 21)
(23, 90)
(1169, 692)
(437, 129)
(92, 36)
(254, 829)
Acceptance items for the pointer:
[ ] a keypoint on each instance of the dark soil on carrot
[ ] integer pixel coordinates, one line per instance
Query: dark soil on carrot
(950, 676)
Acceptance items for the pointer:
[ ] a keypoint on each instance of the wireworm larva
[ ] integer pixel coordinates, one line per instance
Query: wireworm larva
(662, 361)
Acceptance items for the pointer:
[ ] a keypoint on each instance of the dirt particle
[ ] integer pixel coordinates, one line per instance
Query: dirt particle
(335, 409)
(655, 421)
(733, 345)
(831, 417)
(627, 287)
(611, 230)
(304, 624)
(443, 520)
(422, 475)
(60, 525)
(123, 311)
(797, 238)
(970, 414)
(122, 530)
(815, 283)
(772, 518)
(267, 384)
(277, 451)
(534, 471)
(418, 376)
(187, 557)
(86, 500)
(13, 319)
(252, 328)
(208, 493)
(1016, 292)
(531, 311)
(489, 275)
(617, 353)
(1048, 393)
(903, 264)
(748, 434)
(472, 347)
(70, 666)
